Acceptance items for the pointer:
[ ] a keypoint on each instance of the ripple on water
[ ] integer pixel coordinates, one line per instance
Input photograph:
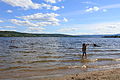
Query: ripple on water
(14, 68)
(26, 51)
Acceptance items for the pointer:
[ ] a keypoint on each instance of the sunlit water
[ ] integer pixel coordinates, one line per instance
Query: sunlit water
(38, 57)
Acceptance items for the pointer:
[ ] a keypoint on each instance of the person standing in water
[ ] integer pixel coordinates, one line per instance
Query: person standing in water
(84, 46)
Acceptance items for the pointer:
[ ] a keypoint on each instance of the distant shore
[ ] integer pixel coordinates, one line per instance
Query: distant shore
(20, 34)
(113, 74)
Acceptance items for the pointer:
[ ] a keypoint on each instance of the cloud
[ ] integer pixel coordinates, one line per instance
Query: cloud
(1, 21)
(23, 23)
(89, 2)
(35, 29)
(95, 8)
(55, 8)
(65, 20)
(7, 27)
(7, 30)
(28, 4)
(37, 20)
(103, 8)
(42, 24)
(111, 6)
(105, 28)
(9, 11)
(52, 1)
(62, 7)
(108, 28)
(42, 18)
(69, 29)
(89, 29)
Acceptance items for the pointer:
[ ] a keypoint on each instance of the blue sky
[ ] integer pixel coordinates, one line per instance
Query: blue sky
(76, 17)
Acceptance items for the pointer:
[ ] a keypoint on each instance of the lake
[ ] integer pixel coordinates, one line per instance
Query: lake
(24, 58)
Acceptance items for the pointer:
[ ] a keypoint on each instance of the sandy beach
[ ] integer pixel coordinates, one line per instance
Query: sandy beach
(113, 74)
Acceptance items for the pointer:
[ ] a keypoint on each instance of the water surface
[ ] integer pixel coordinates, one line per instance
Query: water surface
(37, 57)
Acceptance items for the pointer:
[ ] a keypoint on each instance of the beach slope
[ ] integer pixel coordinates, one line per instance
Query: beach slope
(113, 74)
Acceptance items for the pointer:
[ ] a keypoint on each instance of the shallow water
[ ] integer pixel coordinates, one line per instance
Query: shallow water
(37, 57)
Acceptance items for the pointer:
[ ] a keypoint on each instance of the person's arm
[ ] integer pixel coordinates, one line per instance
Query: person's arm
(87, 44)
(95, 45)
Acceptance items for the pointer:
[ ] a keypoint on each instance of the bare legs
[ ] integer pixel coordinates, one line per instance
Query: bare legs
(84, 55)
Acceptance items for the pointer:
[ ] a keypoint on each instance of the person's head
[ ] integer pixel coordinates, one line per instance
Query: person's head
(83, 44)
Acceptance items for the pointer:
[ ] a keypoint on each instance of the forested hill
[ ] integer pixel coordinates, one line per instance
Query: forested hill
(18, 34)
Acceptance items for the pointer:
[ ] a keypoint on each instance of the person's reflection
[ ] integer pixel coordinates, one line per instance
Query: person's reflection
(84, 62)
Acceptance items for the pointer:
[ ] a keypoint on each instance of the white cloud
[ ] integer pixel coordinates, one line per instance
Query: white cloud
(30, 29)
(23, 23)
(52, 1)
(37, 20)
(47, 17)
(103, 8)
(65, 20)
(62, 7)
(8, 27)
(69, 29)
(9, 11)
(108, 28)
(95, 8)
(7, 30)
(47, 24)
(111, 6)
(1, 21)
(55, 8)
(98, 28)
(28, 4)
(35, 30)
(89, 2)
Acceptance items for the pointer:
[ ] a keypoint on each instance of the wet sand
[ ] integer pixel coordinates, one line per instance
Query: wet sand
(113, 74)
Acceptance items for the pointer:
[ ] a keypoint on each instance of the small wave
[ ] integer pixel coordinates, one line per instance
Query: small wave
(42, 61)
(74, 60)
(26, 51)
(72, 67)
(50, 56)
(117, 59)
(3, 56)
(107, 59)
(18, 62)
(63, 67)
(16, 67)
(11, 47)
(103, 50)
(110, 66)
(114, 54)
(3, 61)
(48, 53)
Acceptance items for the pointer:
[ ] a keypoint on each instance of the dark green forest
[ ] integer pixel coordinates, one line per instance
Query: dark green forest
(19, 34)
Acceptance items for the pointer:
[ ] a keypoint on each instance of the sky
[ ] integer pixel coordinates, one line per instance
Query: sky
(74, 17)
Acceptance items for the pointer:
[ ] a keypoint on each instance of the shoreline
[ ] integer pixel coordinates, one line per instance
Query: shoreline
(112, 74)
